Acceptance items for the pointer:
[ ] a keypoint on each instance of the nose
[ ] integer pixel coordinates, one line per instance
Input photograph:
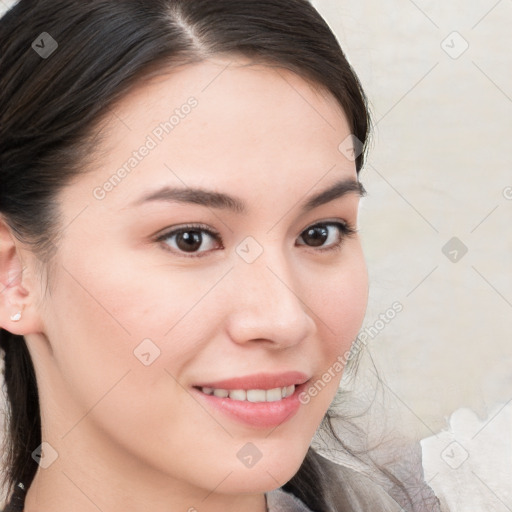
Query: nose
(266, 304)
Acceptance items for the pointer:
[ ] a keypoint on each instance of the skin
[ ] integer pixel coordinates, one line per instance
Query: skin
(131, 437)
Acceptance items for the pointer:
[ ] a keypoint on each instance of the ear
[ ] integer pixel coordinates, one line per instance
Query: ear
(18, 299)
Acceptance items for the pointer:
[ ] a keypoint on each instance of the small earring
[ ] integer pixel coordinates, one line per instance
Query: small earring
(16, 317)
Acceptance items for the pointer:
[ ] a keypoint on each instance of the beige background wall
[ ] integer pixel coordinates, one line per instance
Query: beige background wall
(440, 167)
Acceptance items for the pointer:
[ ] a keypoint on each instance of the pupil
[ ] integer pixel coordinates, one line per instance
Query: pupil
(318, 239)
(191, 241)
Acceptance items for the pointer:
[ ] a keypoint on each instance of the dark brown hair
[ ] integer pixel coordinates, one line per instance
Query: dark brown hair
(49, 108)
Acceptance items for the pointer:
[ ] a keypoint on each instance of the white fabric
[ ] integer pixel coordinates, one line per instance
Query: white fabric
(469, 465)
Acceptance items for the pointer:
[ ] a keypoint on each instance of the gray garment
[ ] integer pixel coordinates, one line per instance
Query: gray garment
(354, 491)
(281, 501)
(375, 499)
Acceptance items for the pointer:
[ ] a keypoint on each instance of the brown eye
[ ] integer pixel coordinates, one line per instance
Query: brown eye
(316, 236)
(319, 234)
(190, 239)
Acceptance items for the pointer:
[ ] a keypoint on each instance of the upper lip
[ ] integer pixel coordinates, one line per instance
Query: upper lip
(258, 381)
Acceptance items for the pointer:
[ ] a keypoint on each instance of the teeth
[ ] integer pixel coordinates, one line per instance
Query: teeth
(238, 394)
(252, 395)
(256, 395)
(221, 393)
(273, 395)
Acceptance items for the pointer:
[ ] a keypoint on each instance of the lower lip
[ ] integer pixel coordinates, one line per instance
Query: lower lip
(256, 414)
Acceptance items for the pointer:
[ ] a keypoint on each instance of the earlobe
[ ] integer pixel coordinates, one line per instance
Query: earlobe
(16, 317)
(14, 297)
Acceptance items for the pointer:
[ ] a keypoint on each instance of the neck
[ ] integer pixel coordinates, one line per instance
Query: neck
(95, 476)
(56, 493)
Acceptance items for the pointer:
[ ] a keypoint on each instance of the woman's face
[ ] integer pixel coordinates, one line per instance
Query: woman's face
(137, 315)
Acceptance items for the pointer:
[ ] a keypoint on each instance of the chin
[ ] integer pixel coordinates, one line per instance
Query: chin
(256, 482)
(268, 473)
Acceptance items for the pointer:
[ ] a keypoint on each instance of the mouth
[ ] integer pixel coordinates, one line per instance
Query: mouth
(261, 387)
(260, 407)
(250, 395)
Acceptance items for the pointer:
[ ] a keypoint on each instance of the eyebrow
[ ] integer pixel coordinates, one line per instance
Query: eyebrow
(220, 200)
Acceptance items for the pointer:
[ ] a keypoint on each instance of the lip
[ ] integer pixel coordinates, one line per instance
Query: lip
(255, 414)
(258, 381)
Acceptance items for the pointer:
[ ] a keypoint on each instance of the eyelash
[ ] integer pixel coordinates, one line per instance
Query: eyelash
(346, 229)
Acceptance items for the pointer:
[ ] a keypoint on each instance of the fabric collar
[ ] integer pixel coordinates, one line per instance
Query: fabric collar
(282, 501)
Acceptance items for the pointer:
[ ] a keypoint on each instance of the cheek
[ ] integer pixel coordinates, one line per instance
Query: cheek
(97, 316)
(113, 315)
(340, 300)
(109, 364)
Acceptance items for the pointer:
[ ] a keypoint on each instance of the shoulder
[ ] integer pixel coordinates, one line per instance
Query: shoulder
(405, 489)
(354, 490)
(345, 489)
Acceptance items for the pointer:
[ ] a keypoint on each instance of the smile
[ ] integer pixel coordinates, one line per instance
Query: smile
(251, 395)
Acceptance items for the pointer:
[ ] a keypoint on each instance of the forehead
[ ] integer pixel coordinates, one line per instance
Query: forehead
(235, 79)
(210, 123)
